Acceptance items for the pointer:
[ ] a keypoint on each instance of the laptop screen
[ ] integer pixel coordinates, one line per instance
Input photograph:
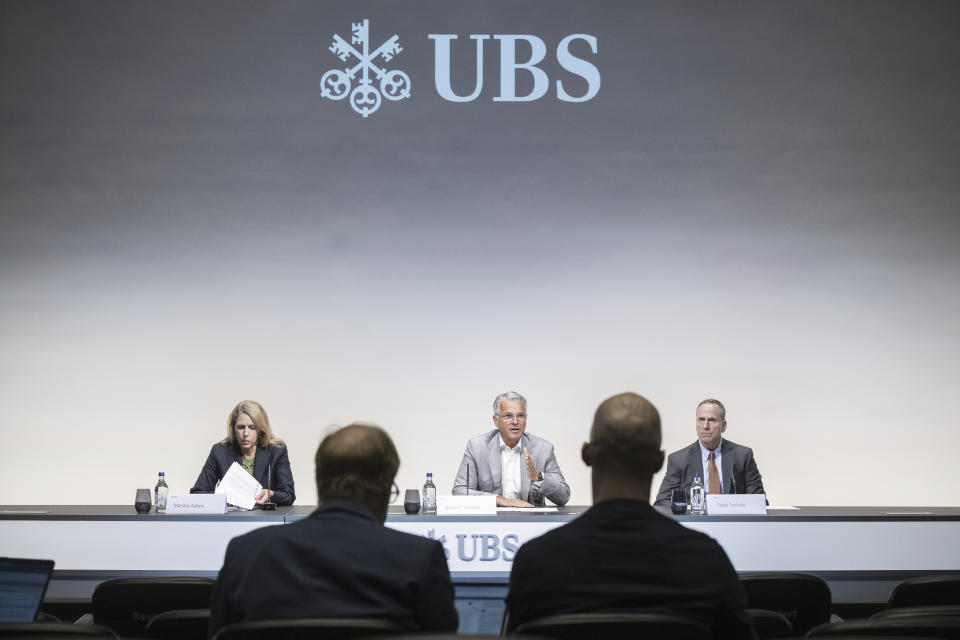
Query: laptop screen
(22, 585)
(480, 607)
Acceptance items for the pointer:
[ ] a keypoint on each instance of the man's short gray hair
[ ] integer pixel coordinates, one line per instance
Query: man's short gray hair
(513, 396)
(719, 405)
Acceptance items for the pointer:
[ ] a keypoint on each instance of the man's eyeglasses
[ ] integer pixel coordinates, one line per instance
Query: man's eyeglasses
(509, 417)
(394, 492)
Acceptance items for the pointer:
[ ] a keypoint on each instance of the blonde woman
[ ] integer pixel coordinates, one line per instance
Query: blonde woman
(251, 444)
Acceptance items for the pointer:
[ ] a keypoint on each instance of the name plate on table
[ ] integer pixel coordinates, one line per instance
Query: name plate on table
(466, 505)
(196, 503)
(737, 504)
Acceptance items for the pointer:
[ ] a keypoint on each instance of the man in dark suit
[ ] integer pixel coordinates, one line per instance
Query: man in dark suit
(340, 562)
(724, 466)
(623, 555)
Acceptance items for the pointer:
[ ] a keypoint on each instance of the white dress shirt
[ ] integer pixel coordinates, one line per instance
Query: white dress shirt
(705, 454)
(511, 466)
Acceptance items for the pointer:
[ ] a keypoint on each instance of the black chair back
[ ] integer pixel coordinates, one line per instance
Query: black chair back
(898, 626)
(54, 630)
(801, 598)
(432, 635)
(935, 610)
(770, 624)
(615, 626)
(941, 588)
(180, 624)
(42, 616)
(307, 629)
(126, 605)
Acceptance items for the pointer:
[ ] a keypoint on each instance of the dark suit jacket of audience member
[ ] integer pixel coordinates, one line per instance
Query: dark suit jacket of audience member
(621, 555)
(739, 470)
(340, 562)
(271, 459)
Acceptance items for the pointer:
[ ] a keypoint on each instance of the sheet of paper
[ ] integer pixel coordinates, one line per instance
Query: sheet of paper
(529, 509)
(240, 487)
(784, 507)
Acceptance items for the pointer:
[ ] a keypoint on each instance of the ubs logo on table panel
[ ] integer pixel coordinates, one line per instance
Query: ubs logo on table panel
(375, 82)
(483, 547)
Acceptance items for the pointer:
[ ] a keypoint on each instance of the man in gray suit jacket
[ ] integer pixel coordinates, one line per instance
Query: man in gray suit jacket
(724, 466)
(519, 468)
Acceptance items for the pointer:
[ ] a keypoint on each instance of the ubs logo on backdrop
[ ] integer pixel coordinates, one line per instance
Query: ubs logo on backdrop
(367, 96)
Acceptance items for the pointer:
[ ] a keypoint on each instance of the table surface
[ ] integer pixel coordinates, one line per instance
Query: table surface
(396, 513)
(861, 551)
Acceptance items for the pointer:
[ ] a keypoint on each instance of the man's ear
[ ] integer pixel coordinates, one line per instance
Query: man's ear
(585, 453)
(660, 457)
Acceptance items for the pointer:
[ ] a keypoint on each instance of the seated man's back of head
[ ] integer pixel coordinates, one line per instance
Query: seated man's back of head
(339, 562)
(622, 555)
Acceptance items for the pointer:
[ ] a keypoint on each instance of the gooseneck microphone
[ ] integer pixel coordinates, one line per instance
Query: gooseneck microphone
(733, 477)
(269, 505)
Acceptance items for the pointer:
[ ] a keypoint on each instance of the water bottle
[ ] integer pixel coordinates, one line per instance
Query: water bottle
(160, 494)
(698, 504)
(429, 496)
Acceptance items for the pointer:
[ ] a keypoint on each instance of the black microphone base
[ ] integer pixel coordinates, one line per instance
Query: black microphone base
(269, 506)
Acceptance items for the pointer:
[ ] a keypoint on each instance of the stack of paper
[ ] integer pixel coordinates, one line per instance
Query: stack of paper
(240, 487)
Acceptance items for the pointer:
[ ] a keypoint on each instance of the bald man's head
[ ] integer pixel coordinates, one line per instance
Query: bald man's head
(625, 438)
(357, 462)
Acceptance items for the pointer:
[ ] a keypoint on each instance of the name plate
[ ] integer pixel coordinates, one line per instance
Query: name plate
(466, 505)
(196, 503)
(737, 504)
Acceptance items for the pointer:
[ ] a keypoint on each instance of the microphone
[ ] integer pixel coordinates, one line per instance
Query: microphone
(269, 505)
(733, 477)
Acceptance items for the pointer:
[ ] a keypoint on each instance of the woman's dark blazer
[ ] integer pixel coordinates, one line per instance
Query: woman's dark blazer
(273, 458)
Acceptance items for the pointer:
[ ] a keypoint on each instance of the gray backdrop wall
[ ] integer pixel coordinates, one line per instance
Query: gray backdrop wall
(758, 205)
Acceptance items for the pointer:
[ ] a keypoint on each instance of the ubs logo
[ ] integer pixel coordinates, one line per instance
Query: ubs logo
(366, 97)
(485, 547)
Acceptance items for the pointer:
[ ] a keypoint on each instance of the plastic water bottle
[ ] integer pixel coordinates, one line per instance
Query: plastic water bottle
(160, 494)
(429, 496)
(698, 505)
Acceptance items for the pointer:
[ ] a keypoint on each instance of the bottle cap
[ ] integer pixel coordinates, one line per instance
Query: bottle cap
(429, 475)
(161, 473)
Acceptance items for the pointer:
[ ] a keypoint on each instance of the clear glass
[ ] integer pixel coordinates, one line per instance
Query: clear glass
(679, 501)
(411, 501)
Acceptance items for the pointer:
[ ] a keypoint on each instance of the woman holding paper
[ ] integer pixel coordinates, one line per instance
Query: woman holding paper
(251, 444)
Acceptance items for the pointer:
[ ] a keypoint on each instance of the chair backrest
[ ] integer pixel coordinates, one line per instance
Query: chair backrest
(934, 610)
(53, 630)
(127, 604)
(179, 624)
(941, 588)
(307, 629)
(770, 624)
(897, 626)
(801, 598)
(615, 626)
(433, 635)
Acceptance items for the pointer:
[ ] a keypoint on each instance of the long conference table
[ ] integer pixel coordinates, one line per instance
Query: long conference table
(862, 552)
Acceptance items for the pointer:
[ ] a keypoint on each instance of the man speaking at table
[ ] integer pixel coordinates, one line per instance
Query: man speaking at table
(339, 562)
(519, 468)
(724, 466)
